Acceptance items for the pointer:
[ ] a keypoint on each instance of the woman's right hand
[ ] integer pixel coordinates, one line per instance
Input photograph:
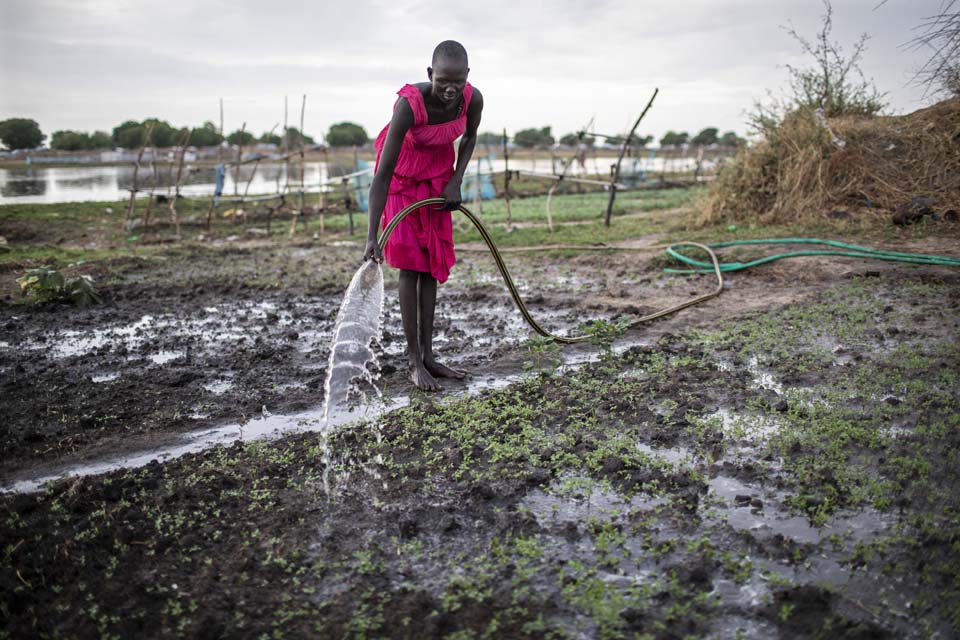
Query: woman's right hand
(373, 251)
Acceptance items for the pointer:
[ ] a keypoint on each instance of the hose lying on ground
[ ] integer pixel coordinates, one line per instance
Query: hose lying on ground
(515, 294)
(850, 251)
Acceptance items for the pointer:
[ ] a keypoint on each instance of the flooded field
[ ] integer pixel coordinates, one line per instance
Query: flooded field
(781, 461)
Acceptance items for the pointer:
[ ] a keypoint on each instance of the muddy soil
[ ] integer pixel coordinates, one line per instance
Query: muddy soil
(760, 465)
(220, 336)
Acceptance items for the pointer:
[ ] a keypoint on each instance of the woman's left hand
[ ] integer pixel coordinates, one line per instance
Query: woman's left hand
(451, 196)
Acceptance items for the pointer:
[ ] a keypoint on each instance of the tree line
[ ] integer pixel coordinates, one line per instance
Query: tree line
(23, 133)
(543, 138)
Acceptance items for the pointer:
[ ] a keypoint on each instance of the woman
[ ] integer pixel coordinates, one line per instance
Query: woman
(415, 160)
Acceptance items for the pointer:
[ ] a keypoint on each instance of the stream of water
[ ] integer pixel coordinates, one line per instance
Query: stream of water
(352, 354)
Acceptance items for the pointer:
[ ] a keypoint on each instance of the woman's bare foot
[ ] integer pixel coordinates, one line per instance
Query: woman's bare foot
(443, 371)
(422, 378)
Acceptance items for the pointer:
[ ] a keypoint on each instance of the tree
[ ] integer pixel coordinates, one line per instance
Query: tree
(128, 135)
(529, 138)
(573, 140)
(674, 139)
(731, 139)
(640, 141)
(270, 138)
(489, 138)
(21, 133)
(643, 141)
(163, 135)
(67, 140)
(941, 36)
(294, 139)
(706, 137)
(240, 137)
(100, 140)
(206, 135)
(346, 134)
(834, 82)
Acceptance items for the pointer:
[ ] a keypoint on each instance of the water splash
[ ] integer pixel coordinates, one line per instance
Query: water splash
(351, 352)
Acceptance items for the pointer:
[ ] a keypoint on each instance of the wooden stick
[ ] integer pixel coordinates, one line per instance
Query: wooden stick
(623, 149)
(153, 188)
(563, 174)
(303, 140)
(476, 191)
(506, 179)
(236, 175)
(136, 170)
(246, 189)
(323, 192)
(552, 176)
(213, 197)
(173, 201)
(346, 201)
(286, 147)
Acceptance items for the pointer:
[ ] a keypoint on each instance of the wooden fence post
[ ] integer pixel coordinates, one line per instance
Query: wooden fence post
(615, 178)
(506, 178)
(184, 140)
(136, 170)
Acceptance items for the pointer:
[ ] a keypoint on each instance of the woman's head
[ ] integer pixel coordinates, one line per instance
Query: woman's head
(448, 71)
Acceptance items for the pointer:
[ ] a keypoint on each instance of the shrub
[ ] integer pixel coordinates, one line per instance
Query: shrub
(47, 284)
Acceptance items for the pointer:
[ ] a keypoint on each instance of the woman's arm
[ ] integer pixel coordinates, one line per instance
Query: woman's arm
(399, 125)
(451, 193)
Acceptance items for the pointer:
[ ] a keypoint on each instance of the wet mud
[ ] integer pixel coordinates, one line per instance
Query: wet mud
(778, 462)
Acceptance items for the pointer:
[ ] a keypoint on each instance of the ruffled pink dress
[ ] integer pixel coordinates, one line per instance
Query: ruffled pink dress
(423, 241)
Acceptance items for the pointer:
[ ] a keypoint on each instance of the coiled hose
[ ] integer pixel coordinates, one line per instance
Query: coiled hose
(515, 294)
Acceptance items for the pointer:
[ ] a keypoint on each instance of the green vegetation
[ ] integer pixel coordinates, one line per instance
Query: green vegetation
(47, 284)
(531, 138)
(532, 512)
(20, 133)
(674, 139)
(241, 137)
(80, 141)
(346, 134)
(832, 81)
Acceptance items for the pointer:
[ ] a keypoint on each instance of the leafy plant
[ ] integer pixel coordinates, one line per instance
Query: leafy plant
(544, 355)
(833, 81)
(603, 333)
(47, 284)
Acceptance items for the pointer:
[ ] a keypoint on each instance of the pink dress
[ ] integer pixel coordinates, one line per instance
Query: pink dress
(423, 241)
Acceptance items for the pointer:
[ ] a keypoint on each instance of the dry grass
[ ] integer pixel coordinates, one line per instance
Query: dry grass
(798, 174)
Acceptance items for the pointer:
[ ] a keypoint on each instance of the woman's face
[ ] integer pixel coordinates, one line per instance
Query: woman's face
(448, 78)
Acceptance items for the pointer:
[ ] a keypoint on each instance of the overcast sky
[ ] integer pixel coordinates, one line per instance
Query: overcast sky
(90, 64)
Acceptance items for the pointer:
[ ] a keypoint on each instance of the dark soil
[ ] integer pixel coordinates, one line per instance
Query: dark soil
(778, 462)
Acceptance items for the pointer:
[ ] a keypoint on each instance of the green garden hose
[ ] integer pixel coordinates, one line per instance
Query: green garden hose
(849, 251)
(515, 294)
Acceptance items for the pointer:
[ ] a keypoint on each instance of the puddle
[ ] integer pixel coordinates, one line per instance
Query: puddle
(756, 509)
(211, 325)
(265, 427)
(106, 377)
(218, 387)
(164, 357)
(673, 456)
(763, 378)
(577, 499)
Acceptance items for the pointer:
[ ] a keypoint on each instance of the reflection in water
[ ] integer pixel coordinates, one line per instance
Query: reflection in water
(29, 185)
(86, 184)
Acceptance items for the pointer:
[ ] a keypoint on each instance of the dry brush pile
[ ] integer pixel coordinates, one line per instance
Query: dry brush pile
(807, 166)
